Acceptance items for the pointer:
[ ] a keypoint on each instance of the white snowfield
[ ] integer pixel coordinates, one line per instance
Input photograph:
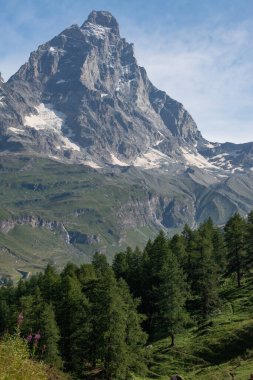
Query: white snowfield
(152, 159)
(196, 159)
(50, 120)
(116, 161)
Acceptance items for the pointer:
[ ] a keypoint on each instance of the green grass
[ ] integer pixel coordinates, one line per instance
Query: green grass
(80, 198)
(215, 350)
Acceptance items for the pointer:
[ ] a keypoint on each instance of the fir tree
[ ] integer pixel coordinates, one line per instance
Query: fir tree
(107, 340)
(235, 242)
(135, 337)
(50, 337)
(74, 321)
(170, 294)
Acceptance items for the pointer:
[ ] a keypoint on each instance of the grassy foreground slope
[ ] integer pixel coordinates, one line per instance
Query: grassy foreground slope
(16, 363)
(220, 349)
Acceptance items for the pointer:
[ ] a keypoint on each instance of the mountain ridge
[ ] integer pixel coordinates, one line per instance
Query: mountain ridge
(102, 108)
(89, 143)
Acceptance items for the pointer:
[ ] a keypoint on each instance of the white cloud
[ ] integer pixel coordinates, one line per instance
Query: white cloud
(210, 72)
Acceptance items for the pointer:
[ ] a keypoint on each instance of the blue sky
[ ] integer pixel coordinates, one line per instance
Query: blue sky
(199, 51)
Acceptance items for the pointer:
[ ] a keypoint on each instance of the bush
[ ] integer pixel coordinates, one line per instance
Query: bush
(15, 363)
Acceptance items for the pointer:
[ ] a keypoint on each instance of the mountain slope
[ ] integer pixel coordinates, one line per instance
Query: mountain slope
(96, 157)
(83, 96)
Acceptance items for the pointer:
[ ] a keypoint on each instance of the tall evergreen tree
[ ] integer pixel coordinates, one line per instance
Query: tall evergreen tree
(207, 283)
(48, 283)
(107, 339)
(50, 337)
(236, 247)
(178, 246)
(74, 321)
(135, 337)
(170, 296)
(219, 250)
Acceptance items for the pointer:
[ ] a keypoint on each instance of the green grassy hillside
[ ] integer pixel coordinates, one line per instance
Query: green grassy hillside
(76, 197)
(42, 200)
(220, 349)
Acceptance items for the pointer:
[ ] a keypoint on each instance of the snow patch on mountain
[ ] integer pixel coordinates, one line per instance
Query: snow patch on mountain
(15, 130)
(49, 120)
(46, 118)
(196, 159)
(152, 159)
(92, 164)
(116, 161)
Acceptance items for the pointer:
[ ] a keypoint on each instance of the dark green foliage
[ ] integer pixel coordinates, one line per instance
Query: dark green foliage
(73, 318)
(170, 297)
(94, 320)
(50, 337)
(235, 231)
(249, 241)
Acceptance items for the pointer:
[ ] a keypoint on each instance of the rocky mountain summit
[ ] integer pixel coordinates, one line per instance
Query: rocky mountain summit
(95, 148)
(82, 97)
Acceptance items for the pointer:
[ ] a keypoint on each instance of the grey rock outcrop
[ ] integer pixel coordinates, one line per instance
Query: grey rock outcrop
(82, 97)
(87, 81)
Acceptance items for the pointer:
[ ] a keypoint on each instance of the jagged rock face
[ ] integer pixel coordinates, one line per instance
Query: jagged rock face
(88, 80)
(82, 97)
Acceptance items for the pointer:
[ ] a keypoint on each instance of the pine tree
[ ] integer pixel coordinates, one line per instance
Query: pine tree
(135, 337)
(219, 250)
(154, 262)
(207, 283)
(48, 284)
(107, 340)
(50, 337)
(178, 247)
(202, 271)
(236, 247)
(170, 296)
(74, 321)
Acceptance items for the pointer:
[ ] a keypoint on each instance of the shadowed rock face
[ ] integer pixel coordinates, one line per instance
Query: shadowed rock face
(89, 76)
(104, 19)
(82, 97)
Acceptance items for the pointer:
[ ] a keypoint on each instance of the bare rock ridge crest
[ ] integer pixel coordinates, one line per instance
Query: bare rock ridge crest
(82, 98)
(95, 157)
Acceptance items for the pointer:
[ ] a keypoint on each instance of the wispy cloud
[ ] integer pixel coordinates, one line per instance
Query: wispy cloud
(210, 71)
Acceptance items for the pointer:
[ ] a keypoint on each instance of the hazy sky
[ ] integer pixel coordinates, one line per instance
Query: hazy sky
(199, 51)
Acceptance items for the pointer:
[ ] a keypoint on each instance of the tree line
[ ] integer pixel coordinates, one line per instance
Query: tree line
(95, 321)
